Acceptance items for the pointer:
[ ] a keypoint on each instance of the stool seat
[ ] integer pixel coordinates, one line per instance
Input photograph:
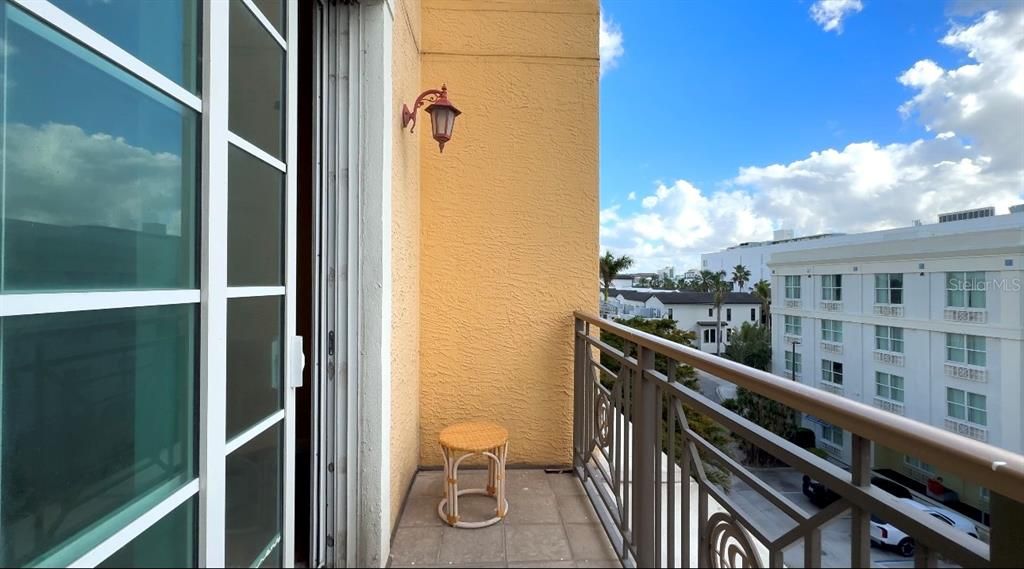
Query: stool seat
(474, 437)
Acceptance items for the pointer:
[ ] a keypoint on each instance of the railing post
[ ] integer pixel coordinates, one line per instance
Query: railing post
(580, 414)
(1007, 539)
(644, 441)
(860, 531)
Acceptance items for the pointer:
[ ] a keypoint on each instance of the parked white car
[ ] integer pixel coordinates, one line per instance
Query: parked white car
(886, 534)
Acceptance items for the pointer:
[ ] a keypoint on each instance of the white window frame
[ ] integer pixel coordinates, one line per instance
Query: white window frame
(830, 374)
(967, 405)
(829, 432)
(792, 325)
(791, 358)
(890, 389)
(888, 288)
(966, 283)
(889, 338)
(792, 287)
(832, 330)
(967, 350)
(832, 288)
(213, 293)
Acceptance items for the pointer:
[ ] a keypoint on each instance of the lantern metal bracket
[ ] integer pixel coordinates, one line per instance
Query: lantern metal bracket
(428, 96)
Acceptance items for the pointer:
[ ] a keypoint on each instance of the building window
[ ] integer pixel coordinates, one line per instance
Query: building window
(889, 339)
(728, 314)
(918, 464)
(793, 286)
(709, 336)
(832, 331)
(832, 372)
(711, 312)
(793, 363)
(888, 386)
(983, 494)
(832, 287)
(964, 349)
(965, 289)
(753, 315)
(889, 288)
(670, 313)
(966, 406)
(728, 334)
(792, 325)
(832, 434)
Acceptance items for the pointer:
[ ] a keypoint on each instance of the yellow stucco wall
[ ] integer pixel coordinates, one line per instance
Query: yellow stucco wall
(405, 249)
(509, 218)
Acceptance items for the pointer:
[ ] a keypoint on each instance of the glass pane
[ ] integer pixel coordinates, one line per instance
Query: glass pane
(162, 34)
(977, 298)
(253, 503)
(97, 416)
(896, 280)
(254, 361)
(171, 542)
(896, 296)
(881, 296)
(99, 171)
(955, 340)
(274, 11)
(255, 221)
(976, 358)
(256, 69)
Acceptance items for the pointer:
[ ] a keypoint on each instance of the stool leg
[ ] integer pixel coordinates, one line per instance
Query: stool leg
(453, 490)
(502, 455)
(492, 469)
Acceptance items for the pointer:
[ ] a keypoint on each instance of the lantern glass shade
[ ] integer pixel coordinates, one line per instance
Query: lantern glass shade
(442, 120)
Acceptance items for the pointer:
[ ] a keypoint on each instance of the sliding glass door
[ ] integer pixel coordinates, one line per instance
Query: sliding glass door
(147, 302)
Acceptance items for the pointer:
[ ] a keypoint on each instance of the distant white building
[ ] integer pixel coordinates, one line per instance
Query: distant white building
(755, 255)
(925, 322)
(692, 311)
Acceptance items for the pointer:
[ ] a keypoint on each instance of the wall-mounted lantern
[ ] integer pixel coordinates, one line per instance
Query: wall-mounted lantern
(442, 114)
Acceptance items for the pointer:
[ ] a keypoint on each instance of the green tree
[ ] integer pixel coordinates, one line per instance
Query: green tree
(610, 267)
(740, 276)
(763, 291)
(703, 281)
(685, 374)
(751, 345)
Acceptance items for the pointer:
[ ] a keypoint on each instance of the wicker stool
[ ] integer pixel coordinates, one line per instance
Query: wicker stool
(486, 439)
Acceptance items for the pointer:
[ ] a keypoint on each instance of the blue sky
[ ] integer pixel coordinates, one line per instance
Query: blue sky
(702, 89)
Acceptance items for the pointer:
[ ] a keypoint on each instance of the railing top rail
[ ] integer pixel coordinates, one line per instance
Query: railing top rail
(997, 469)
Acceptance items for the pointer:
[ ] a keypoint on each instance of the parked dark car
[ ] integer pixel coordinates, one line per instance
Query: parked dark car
(821, 496)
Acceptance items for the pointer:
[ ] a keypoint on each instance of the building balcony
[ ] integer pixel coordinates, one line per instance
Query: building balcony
(890, 310)
(669, 495)
(966, 371)
(889, 405)
(969, 315)
(791, 338)
(966, 429)
(831, 387)
(831, 347)
(831, 305)
(792, 303)
(891, 358)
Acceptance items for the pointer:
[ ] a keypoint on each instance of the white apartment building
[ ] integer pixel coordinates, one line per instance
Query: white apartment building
(925, 322)
(692, 311)
(756, 255)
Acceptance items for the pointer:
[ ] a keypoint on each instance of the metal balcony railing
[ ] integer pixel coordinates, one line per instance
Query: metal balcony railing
(648, 472)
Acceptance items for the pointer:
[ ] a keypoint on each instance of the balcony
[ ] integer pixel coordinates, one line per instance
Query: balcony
(889, 405)
(792, 303)
(891, 358)
(667, 496)
(831, 347)
(833, 388)
(966, 429)
(889, 310)
(831, 305)
(965, 371)
(969, 315)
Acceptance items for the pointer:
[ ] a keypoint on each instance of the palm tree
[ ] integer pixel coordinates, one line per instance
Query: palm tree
(702, 282)
(718, 287)
(611, 266)
(740, 276)
(763, 291)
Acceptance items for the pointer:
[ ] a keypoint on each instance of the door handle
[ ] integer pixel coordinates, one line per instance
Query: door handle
(298, 363)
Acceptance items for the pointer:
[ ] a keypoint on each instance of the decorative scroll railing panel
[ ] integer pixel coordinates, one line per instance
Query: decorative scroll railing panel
(659, 485)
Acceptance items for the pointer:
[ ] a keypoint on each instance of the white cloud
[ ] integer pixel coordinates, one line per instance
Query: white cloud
(631, 196)
(59, 174)
(829, 14)
(864, 185)
(610, 44)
